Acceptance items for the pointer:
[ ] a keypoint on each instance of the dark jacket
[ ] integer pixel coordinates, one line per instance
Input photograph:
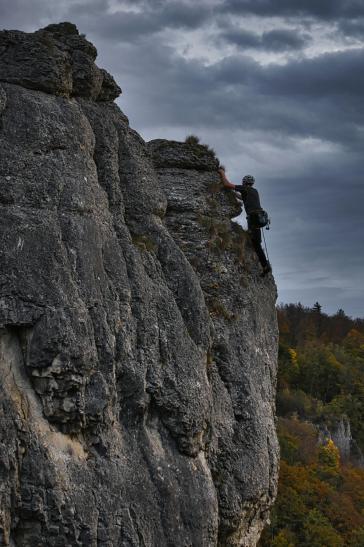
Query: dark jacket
(250, 198)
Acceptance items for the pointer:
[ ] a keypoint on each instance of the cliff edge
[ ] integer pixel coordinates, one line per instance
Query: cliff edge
(137, 340)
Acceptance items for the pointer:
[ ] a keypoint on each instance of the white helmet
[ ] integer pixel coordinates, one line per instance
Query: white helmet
(248, 179)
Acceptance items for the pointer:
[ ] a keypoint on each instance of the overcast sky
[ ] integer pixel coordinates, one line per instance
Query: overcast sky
(275, 87)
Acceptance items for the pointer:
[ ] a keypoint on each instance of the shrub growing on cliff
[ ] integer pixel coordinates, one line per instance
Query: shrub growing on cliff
(192, 139)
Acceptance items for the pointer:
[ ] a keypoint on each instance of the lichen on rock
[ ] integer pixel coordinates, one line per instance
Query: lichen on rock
(137, 340)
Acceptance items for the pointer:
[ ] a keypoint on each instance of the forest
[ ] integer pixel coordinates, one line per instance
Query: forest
(320, 408)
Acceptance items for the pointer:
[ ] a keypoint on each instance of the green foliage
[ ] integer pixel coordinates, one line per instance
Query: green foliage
(288, 372)
(317, 308)
(289, 449)
(318, 532)
(311, 507)
(298, 441)
(218, 309)
(328, 461)
(284, 538)
(192, 139)
(321, 366)
(298, 402)
(329, 456)
(320, 499)
(223, 236)
(321, 374)
(356, 539)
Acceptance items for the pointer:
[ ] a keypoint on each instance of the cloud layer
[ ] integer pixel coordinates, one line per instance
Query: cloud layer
(275, 87)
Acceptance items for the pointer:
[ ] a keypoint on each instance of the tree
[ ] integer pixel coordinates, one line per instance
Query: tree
(320, 499)
(329, 455)
(318, 532)
(321, 374)
(357, 538)
(317, 308)
(284, 538)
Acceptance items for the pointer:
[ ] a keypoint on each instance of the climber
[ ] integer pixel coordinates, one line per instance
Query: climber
(252, 205)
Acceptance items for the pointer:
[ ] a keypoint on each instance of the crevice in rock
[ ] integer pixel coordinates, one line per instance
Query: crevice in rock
(14, 342)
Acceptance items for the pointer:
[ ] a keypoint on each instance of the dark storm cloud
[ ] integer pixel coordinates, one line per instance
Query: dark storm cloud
(353, 28)
(320, 97)
(281, 39)
(155, 16)
(324, 9)
(327, 9)
(323, 96)
(274, 40)
(336, 74)
(316, 232)
(129, 26)
(24, 15)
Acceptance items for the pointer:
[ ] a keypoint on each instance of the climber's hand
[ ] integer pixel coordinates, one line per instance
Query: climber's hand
(224, 180)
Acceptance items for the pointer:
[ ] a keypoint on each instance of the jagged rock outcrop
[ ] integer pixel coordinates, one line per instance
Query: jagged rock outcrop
(338, 430)
(56, 60)
(137, 339)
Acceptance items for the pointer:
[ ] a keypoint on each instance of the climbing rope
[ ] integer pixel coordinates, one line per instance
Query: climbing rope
(265, 245)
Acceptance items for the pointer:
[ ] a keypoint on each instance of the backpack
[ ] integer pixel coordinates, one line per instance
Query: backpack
(260, 218)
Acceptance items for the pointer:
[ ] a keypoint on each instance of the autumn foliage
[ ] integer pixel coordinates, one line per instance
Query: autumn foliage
(320, 499)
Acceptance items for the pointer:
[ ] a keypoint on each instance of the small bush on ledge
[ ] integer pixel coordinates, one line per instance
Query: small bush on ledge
(193, 139)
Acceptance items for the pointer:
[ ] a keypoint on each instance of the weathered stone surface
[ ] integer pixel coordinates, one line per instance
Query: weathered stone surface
(339, 431)
(64, 63)
(182, 155)
(137, 339)
(242, 453)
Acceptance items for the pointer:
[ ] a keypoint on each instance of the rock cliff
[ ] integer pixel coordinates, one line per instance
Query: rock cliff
(137, 340)
(338, 429)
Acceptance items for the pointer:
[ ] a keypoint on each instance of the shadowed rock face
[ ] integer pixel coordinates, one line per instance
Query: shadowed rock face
(137, 339)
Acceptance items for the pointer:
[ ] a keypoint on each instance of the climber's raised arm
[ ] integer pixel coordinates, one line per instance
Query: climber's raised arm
(224, 180)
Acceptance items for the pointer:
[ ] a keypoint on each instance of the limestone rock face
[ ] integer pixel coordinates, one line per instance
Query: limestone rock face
(339, 431)
(137, 340)
(56, 60)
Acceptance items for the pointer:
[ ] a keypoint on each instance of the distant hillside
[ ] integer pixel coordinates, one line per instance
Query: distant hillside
(320, 404)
